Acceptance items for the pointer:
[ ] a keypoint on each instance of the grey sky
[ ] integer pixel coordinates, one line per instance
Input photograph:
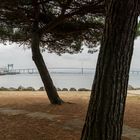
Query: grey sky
(21, 58)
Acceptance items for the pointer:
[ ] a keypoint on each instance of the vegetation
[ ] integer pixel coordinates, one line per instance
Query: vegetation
(138, 30)
(104, 118)
(63, 26)
(58, 26)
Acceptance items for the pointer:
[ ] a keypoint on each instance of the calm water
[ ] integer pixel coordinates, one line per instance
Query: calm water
(60, 80)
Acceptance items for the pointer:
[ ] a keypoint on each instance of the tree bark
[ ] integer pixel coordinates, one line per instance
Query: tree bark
(104, 119)
(43, 71)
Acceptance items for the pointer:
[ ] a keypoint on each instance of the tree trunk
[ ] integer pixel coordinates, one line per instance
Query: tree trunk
(105, 113)
(43, 71)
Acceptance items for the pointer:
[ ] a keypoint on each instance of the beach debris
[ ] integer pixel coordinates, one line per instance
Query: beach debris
(83, 89)
(20, 88)
(72, 89)
(4, 89)
(64, 89)
(41, 89)
(29, 89)
(130, 87)
(58, 89)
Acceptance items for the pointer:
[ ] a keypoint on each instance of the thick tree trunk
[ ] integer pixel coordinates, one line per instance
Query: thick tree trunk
(104, 118)
(43, 71)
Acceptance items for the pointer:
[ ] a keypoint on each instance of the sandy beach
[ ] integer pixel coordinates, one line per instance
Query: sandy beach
(27, 115)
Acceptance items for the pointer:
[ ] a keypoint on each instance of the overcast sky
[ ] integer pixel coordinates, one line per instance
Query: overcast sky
(21, 58)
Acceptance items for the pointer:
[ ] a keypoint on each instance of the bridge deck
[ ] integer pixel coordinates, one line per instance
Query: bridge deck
(62, 70)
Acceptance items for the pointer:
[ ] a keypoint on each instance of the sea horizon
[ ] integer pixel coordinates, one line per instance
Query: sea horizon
(61, 80)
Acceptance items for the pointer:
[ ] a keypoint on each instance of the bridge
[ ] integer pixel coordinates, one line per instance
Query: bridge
(25, 71)
(134, 72)
(57, 70)
(62, 70)
(54, 70)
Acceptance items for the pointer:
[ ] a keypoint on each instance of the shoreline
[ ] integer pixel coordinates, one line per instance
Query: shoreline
(30, 88)
(76, 93)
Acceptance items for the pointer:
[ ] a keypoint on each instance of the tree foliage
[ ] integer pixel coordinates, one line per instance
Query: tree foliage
(64, 25)
(59, 26)
(138, 29)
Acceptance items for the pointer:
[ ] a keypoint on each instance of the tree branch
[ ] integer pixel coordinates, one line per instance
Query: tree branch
(98, 9)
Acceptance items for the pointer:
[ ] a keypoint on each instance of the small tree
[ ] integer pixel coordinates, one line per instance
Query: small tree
(59, 26)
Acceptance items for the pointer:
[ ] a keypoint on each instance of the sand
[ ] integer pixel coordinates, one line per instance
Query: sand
(29, 116)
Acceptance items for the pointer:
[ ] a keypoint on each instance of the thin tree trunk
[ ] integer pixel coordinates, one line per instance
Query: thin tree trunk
(105, 113)
(43, 71)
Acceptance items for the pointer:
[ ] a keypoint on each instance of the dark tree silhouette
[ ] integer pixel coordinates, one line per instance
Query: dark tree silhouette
(105, 113)
(55, 25)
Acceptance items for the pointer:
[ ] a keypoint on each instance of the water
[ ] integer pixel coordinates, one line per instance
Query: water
(60, 80)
